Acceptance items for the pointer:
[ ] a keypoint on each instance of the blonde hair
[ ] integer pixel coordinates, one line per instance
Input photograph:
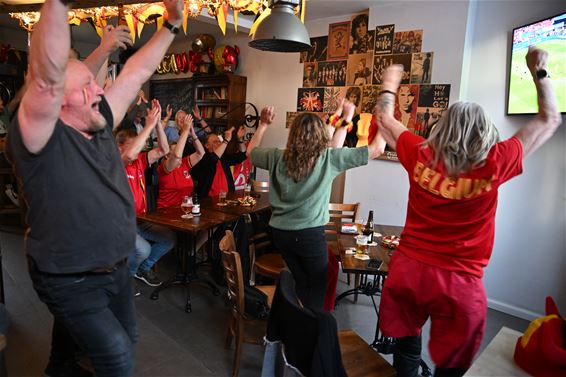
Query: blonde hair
(462, 138)
(308, 139)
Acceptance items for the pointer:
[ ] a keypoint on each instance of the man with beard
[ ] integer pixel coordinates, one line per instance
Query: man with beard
(81, 214)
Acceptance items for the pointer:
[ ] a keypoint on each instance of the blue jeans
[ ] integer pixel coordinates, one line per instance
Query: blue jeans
(94, 312)
(305, 252)
(147, 254)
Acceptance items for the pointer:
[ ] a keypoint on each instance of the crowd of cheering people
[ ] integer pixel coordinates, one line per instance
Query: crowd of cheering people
(84, 255)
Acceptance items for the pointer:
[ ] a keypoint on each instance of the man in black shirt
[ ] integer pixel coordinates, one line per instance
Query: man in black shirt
(213, 172)
(81, 213)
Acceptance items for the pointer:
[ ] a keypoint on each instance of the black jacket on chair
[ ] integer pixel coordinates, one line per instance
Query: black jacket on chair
(310, 338)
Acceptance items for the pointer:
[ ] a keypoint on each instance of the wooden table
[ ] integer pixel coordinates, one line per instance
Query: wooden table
(171, 218)
(497, 358)
(211, 204)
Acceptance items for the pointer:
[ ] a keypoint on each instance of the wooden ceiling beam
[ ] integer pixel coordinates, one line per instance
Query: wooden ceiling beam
(5, 8)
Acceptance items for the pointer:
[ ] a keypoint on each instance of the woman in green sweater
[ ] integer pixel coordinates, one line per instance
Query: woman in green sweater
(300, 184)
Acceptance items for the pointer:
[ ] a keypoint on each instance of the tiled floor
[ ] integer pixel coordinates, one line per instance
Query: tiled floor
(172, 342)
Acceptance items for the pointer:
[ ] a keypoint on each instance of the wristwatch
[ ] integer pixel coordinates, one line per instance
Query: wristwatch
(542, 73)
(174, 29)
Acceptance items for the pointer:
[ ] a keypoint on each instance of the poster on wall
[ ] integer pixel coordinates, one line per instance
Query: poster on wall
(380, 62)
(354, 95)
(359, 69)
(384, 35)
(309, 75)
(360, 41)
(332, 98)
(405, 61)
(291, 115)
(332, 73)
(407, 42)
(338, 37)
(310, 99)
(317, 53)
(406, 103)
(433, 100)
(421, 68)
(369, 98)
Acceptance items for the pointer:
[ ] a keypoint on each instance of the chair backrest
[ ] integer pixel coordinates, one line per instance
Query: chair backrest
(339, 213)
(260, 186)
(310, 338)
(233, 270)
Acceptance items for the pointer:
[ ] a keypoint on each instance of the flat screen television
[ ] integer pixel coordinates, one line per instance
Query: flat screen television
(550, 35)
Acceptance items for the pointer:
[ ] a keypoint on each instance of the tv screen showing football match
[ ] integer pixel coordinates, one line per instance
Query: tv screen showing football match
(550, 35)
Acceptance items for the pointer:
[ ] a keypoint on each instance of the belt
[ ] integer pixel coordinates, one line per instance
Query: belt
(95, 271)
(107, 270)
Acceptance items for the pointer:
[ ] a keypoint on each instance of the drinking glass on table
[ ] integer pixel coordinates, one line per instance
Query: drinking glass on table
(359, 225)
(187, 207)
(361, 244)
(222, 198)
(247, 190)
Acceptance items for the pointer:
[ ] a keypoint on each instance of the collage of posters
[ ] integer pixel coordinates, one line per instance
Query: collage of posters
(350, 61)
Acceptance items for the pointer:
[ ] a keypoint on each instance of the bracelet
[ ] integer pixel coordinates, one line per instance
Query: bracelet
(388, 92)
(225, 141)
(349, 125)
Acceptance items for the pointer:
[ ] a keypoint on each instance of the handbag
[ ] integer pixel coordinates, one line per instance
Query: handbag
(255, 303)
(541, 351)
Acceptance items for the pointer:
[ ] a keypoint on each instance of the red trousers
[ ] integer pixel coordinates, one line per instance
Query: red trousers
(455, 302)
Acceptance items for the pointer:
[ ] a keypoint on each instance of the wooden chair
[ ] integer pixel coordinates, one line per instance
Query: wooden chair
(359, 359)
(235, 285)
(341, 213)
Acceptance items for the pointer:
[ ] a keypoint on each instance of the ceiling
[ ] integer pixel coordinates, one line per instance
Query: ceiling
(316, 9)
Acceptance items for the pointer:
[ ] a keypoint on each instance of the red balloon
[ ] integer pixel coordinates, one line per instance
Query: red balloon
(230, 56)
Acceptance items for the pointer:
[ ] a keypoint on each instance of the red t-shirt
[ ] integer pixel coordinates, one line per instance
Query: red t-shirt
(174, 185)
(451, 222)
(219, 183)
(136, 179)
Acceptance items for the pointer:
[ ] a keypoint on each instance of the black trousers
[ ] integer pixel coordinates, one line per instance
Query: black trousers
(305, 252)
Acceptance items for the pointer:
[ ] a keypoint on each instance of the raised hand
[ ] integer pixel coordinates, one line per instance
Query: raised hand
(391, 77)
(168, 112)
(340, 107)
(228, 134)
(536, 59)
(196, 112)
(349, 110)
(116, 37)
(187, 124)
(153, 114)
(174, 10)
(267, 115)
(141, 97)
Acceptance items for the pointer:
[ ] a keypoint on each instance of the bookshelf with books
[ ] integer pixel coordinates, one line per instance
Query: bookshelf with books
(221, 99)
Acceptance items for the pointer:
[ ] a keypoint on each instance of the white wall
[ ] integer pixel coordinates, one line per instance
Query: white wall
(528, 261)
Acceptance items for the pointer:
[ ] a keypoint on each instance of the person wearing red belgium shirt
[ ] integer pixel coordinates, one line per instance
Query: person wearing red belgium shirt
(175, 180)
(213, 173)
(146, 254)
(454, 177)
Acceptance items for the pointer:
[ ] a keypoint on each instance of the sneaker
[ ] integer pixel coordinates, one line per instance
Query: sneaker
(135, 289)
(149, 277)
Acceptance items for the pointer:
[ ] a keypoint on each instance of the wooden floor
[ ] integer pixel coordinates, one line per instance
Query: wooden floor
(172, 342)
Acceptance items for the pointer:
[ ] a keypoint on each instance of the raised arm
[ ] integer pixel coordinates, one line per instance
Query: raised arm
(140, 66)
(131, 153)
(389, 127)
(339, 136)
(162, 144)
(49, 54)
(265, 119)
(112, 39)
(221, 148)
(197, 155)
(544, 124)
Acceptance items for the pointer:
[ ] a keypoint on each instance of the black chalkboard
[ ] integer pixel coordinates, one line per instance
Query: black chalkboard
(177, 93)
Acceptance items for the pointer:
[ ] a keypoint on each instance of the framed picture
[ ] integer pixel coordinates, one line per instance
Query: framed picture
(406, 103)
(405, 61)
(338, 38)
(359, 69)
(421, 68)
(407, 42)
(317, 53)
(384, 35)
(291, 115)
(310, 75)
(380, 62)
(332, 98)
(360, 41)
(433, 100)
(354, 95)
(310, 99)
(332, 73)
(369, 98)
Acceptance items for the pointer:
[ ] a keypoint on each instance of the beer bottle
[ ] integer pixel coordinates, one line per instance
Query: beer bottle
(368, 228)
(196, 201)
